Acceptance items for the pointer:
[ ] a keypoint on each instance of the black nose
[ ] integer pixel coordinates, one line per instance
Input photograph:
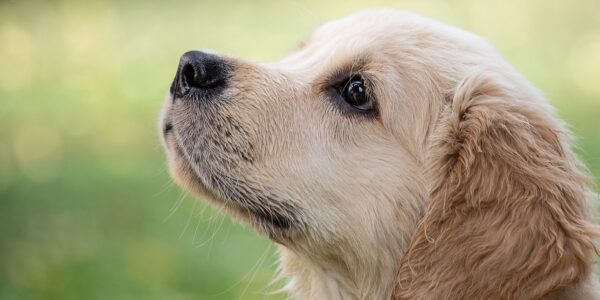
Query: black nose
(199, 73)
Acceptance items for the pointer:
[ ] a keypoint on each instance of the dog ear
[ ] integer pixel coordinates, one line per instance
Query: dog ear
(508, 216)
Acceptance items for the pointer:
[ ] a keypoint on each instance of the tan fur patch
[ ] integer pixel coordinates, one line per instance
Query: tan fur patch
(458, 184)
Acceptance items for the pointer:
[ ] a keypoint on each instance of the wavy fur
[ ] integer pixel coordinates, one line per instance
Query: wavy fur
(460, 185)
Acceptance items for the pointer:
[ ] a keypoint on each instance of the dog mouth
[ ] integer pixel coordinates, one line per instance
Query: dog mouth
(241, 196)
(166, 130)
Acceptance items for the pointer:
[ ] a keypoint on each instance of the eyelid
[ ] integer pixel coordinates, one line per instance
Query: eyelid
(343, 78)
(341, 84)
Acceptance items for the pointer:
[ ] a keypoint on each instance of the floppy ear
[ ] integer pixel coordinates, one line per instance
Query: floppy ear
(508, 216)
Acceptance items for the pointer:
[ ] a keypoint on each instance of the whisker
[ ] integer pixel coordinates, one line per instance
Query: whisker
(254, 269)
(187, 224)
(175, 205)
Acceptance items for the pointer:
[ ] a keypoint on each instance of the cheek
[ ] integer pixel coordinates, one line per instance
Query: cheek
(340, 170)
(347, 197)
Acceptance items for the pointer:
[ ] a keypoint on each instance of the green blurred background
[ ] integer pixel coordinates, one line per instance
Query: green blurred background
(87, 209)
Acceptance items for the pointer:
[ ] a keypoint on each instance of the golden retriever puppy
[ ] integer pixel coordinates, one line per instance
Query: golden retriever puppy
(390, 157)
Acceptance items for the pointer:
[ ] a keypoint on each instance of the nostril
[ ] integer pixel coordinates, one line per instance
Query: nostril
(188, 77)
(200, 71)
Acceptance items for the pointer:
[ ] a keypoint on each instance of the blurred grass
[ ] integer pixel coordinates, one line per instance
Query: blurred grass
(86, 206)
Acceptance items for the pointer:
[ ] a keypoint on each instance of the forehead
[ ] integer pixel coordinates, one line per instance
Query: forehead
(365, 34)
(385, 33)
(363, 27)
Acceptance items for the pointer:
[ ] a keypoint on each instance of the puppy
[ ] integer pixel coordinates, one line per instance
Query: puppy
(390, 157)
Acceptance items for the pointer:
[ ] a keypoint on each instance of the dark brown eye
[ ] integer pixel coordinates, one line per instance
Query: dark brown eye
(355, 93)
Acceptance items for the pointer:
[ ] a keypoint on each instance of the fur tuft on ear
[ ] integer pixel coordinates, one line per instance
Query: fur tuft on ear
(508, 216)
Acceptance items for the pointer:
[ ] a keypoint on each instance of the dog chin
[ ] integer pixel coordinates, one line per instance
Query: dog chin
(184, 175)
(187, 178)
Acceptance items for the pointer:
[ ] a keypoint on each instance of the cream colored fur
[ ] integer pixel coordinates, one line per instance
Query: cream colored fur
(462, 186)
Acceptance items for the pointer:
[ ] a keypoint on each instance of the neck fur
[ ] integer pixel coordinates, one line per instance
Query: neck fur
(365, 271)
(364, 264)
(309, 279)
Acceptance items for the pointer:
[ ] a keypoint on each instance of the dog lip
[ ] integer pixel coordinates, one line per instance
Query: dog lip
(276, 219)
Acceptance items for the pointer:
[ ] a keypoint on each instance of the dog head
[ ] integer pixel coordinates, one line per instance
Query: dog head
(337, 150)
(327, 142)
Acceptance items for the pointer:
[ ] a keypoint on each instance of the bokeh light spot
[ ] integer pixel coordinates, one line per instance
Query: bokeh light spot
(38, 151)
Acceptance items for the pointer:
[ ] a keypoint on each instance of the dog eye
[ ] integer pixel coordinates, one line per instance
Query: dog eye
(355, 94)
